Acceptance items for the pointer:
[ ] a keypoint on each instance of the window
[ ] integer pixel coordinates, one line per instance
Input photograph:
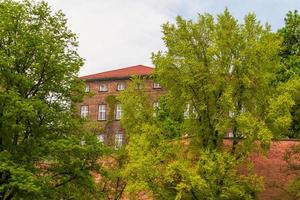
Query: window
(121, 86)
(243, 109)
(231, 68)
(118, 140)
(101, 138)
(84, 111)
(231, 114)
(118, 111)
(103, 88)
(155, 107)
(156, 85)
(195, 113)
(186, 111)
(190, 111)
(102, 112)
(87, 87)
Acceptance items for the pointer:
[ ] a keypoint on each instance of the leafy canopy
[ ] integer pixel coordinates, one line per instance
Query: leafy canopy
(41, 153)
(224, 71)
(219, 78)
(290, 65)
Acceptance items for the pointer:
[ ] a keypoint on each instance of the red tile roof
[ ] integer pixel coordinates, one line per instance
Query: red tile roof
(140, 70)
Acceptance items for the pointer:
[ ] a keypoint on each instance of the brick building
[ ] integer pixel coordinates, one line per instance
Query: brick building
(271, 166)
(110, 83)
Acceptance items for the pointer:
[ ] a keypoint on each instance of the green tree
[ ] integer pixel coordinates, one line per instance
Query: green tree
(44, 152)
(290, 64)
(218, 75)
(165, 166)
(291, 39)
(224, 71)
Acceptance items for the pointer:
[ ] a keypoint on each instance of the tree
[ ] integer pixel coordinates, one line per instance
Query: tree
(290, 64)
(224, 72)
(165, 166)
(290, 61)
(42, 153)
(218, 75)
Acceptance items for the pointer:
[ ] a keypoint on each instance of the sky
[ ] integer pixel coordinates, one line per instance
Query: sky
(119, 33)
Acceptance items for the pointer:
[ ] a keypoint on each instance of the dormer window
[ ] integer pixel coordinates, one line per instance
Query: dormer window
(87, 87)
(103, 88)
(121, 86)
(156, 85)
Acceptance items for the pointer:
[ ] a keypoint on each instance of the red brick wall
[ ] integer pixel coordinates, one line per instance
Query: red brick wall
(275, 170)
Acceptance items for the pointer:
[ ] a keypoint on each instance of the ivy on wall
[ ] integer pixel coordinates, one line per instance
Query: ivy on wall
(111, 101)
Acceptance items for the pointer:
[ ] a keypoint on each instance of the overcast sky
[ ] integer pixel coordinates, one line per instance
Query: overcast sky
(120, 33)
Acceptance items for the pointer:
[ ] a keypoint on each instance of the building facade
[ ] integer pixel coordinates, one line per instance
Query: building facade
(105, 85)
(96, 107)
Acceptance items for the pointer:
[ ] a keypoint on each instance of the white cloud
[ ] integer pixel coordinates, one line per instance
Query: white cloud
(118, 33)
(115, 33)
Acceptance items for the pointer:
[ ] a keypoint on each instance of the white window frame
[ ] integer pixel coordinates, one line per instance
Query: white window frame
(120, 86)
(231, 114)
(101, 138)
(87, 87)
(231, 68)
(156, 85)
(190, 111)
(84, 111)
(195, 113)
(243, 109)
(119, 139)
(230, 134)
(118, 111)
(103, 87)
(186, 113)
(155, 107)
(102, 112)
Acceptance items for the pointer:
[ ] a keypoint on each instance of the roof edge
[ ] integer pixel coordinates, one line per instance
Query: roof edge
(113, 78)
(83, 77)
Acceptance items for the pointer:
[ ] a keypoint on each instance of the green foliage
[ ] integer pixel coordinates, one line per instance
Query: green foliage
(291, 45)
(223, 71)
(164, 166)
(168, 120)
(21, 179)
(213, 177)
(290, 65)
(281, 108)
(111, 101)
(147, 154)
(220, 67)
(44, 152)
(136, 104)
